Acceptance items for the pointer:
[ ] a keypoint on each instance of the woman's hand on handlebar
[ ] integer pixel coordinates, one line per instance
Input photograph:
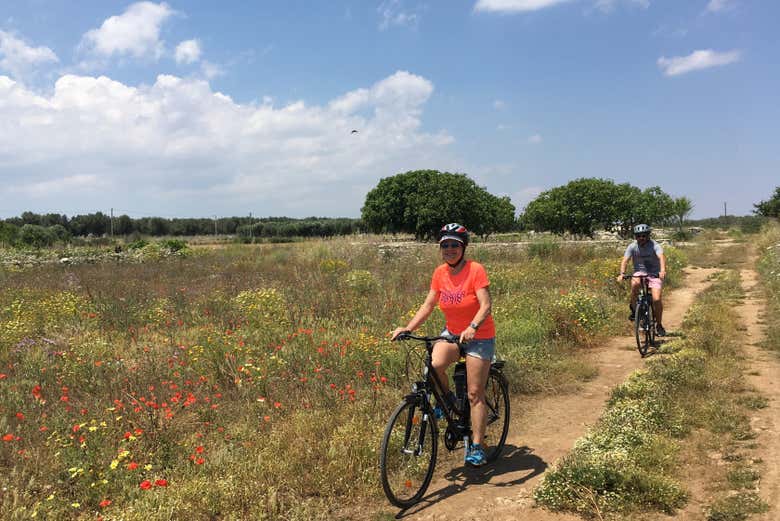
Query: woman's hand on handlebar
(398, 331)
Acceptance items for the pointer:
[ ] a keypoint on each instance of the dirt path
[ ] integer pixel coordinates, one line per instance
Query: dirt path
(764, 376)
(540, 434)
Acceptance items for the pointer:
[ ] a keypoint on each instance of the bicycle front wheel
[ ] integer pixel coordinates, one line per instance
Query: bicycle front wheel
(408, 454)
(497, 401)
(642, 328)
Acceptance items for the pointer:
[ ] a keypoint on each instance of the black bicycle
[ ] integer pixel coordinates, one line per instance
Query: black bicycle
(411, 438)
(644, 318)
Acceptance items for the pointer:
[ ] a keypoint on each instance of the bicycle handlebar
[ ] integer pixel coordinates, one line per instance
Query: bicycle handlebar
(407, 335)
(654, 275)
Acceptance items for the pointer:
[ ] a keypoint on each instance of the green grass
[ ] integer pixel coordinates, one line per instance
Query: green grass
(737, 507)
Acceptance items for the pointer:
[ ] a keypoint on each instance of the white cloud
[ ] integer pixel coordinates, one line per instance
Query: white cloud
(515, 6)
(187, 51)
(716, 6)
(526, 195)
(697, 60)
(19, 59)
(136, 32)
(535, 139)
(178, 144)
(210, 70)
(392, 13)
(607, 6)
(499, 104)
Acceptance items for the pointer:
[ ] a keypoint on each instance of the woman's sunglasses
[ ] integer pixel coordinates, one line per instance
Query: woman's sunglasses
(453, 245)
(641, 236)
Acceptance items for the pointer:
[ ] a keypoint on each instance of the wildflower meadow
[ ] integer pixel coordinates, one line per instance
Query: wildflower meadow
(251, 381)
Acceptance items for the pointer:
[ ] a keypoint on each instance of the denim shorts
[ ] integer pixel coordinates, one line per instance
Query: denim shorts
(484, 348)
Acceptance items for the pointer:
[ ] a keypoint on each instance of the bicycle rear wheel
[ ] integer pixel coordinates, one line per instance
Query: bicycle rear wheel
(497, 400)
(408, 453)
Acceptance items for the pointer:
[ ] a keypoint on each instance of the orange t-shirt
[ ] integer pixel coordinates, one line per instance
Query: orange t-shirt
(458, 297)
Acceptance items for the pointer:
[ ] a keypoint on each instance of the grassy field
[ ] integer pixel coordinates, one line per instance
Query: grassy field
(251, 381)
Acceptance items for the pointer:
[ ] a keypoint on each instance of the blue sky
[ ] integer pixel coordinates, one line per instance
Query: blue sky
(205, 108)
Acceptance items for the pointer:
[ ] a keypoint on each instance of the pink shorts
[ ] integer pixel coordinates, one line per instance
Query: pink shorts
(652, 282)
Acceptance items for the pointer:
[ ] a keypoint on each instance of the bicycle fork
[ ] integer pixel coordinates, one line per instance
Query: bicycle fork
(416, 451)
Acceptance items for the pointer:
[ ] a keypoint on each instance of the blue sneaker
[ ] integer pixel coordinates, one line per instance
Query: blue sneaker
(438, 413)
(476, 456)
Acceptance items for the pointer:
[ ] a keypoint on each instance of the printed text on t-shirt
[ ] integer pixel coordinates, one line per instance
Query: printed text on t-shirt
(451, 297)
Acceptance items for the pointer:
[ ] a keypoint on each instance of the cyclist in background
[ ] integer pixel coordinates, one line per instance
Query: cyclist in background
(460, 287)
(648, 259)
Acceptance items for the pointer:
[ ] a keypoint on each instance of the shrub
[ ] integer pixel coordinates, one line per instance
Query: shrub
(137, 244)
(544, 249)
(361, 281)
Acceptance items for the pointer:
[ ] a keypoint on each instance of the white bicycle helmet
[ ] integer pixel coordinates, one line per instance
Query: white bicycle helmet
(642, 228)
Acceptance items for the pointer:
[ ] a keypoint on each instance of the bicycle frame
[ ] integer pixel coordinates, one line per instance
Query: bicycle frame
(432, 385)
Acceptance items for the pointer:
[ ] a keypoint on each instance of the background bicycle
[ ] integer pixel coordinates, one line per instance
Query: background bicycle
(644, 318)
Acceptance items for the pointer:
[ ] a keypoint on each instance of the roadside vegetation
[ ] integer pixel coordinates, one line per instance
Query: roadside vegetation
(687, 407)
(769, 268)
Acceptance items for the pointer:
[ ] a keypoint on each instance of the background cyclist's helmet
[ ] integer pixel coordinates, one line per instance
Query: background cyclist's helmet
(454, 231)
(642, 228)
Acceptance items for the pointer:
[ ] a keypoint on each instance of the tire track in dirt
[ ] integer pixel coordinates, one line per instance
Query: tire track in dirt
(542, 432)
(763, 375)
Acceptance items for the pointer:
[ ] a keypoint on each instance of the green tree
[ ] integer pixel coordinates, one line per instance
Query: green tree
(8, 234)
(421, 201)
(36, 236)
(770, 207)
(682, 208)
(585, 205)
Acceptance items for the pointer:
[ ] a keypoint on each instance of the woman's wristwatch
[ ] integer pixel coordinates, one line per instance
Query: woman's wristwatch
(474, 325)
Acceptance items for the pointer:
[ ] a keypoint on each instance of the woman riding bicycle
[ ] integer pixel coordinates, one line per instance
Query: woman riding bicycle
(461, 288)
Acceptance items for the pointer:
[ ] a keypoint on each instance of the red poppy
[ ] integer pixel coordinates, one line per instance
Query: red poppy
(200, 461)
(8, 437)
(145, 484)
(132, 465)
(199, 449)
(161, 483)
(104, 503)
(20, 416)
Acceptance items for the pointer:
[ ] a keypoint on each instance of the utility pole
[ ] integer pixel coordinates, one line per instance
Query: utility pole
(251, 231)
(725, 213)
(215, 226)
(112, 223)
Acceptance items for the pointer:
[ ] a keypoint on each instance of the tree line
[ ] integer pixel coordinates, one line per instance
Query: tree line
(416, 202)
(38, 230)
